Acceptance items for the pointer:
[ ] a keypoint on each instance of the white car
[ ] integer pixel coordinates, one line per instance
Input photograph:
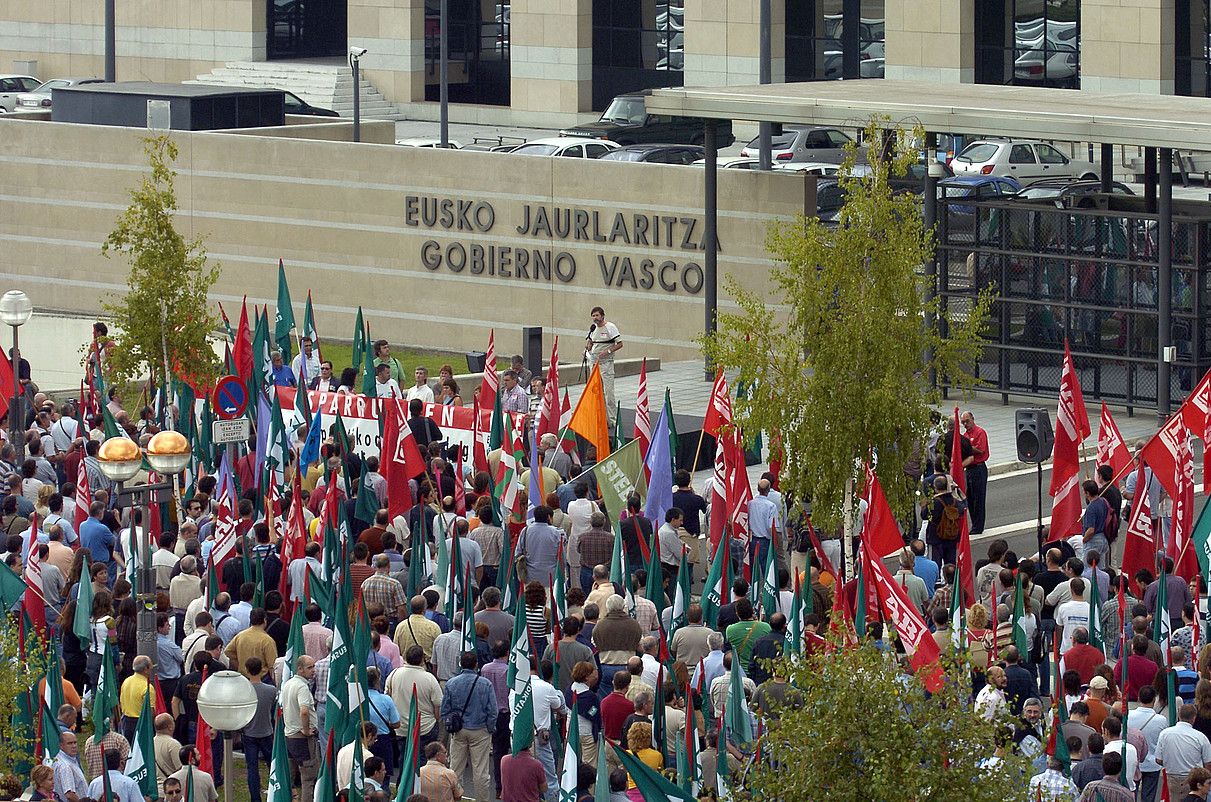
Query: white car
(13, 85)
(576, 147)
(732, 163)
(428, 142)
(40, 97)
(1025, 161)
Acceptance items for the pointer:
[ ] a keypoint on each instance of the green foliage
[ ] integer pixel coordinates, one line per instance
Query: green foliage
(18, 689)
(843, 372)
(165, 307)
(868, 731)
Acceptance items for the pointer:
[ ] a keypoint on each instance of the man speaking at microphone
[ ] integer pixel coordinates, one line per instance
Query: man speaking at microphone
(600, 345)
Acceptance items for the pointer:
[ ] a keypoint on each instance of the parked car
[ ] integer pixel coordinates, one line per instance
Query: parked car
(819, 168)
(296, 105)
(1025, 161)
(960, 217)
(732, 163)
(574, 146)
(13, 85)
(1063, 193)
(427, 142)
(805, 144)
(657, 154)
(40, 97)
(627, 122)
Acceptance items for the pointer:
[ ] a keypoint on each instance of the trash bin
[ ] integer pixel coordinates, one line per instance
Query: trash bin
(476, 361)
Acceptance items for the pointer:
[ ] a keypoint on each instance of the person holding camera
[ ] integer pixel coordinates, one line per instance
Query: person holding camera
(469, 713)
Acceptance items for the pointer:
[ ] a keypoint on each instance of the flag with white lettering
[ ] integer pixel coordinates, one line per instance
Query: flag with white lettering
(1111, 448)
(1072, 427)
(923, 653)
(719, 408)
(619, 475)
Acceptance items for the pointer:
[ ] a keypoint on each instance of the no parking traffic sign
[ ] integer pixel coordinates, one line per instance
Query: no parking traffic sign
(230, 397)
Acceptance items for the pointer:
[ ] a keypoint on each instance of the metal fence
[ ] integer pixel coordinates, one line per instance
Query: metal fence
(1085, 274)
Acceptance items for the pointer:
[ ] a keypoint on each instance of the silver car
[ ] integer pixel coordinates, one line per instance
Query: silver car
(803, 144)
(13, 85)
(39, 98)
(1025, 161)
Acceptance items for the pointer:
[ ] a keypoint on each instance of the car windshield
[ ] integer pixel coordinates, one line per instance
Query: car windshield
(624, 156)
(1040, 193)
(49, 85)
(629, 110)
(957, 191)
(780, 141)
(979, 152)
(535, 149)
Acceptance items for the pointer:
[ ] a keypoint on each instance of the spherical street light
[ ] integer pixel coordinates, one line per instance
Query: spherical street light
(168, 452)
(120, 458)
(15, 308)
(227, 701)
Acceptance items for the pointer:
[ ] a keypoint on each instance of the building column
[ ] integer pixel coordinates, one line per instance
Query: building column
(551, 56)
(723, 42)
(930, 40)
(394, 37)
(1129, 47)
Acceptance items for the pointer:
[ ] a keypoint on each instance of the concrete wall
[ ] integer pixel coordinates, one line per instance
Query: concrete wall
(1128, 46)
(380, 132)
(931, 40)
(168, 40)
(352, 223)
(723, 45)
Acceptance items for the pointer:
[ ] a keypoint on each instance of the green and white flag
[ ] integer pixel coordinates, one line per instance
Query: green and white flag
(141, 767)
(571, 757)
(769, 586)
(616, 557)
(521, 692)
(279, 766)
(619, 475)
(958, 618)
(283, 321)
(294, 643)
(651, 783)
(408, 781)
(681, 597)
(106, 698)
(1019, 618)
(1161, 627)
(601, 788)
(357, 777)
(738, 723)
(81, 624)
(1202, 541)
(716, 584)
(1097, 638)
(469, 643)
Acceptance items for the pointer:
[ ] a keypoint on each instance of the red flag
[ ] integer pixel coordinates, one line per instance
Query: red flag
(739, 493)
(963, 562)
(224, 530)
(1180, 546)
(399, 459)
(202, 741)
(479, 451)
(1072, 427)
(84, 496)
(490, 382)
(825, 563)
(643, 420)
(923, 653)
(460, 491)
(6, 381)
(719, 410)
(242, 351)
(880, 532)
(35, 594)
(548, 407)
(1111, 449)
(158, 702)
(1163, 451)
(718, 500)
(1139, 544)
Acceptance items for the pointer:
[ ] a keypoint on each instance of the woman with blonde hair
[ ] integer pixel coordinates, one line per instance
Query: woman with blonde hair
(639, 744)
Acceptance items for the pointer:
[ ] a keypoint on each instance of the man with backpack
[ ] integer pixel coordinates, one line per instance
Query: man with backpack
(1100, 523)
(945, 521)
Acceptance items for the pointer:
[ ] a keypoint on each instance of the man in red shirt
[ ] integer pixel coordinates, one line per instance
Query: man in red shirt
(1083, 658)
(977, 472)
(616, 707)
(1141, 671)
(522, 778)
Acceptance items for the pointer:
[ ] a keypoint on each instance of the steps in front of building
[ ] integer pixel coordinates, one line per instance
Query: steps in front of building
(328, 86)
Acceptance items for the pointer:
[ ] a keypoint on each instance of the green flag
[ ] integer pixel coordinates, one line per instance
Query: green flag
(1097, 638)
(860, 601)
(141, 767)
(616, 477)
(279, 766)
(769, 585)
(571, 758)
(309, 329)
(738, 722)
(262, 365)
(1019, 617)
(368, 383)
(716, 583)
(958, 618)
(283, 322)
(1202, 541)
(12, 588)
(1161, 628)
(337, 705)
(496, 429)
(521, 692)
(105, 701)
(342, 438)
(357, 777)
(294, 643)
(408, 781)
(794, 643)
(110, 424)
(360, 346)
(601, 789)
(654, 589)
(469, 641)
(651, 783)
(616, 556)
(366, 507)
(681, 597)
(358, 683)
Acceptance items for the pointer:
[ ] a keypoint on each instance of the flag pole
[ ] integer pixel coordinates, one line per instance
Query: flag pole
(698, 450)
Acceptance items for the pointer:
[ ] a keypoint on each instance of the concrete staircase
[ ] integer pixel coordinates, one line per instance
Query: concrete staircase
(327, 83)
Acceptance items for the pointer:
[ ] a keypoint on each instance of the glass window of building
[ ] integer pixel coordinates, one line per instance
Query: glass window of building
(1029, 43)
(831, 39)
(637, 44)
(1193, 40)
(477, 51)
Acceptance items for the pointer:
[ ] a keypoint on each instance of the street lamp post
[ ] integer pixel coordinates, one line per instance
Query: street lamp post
(15, 311)
(355, 64)
(227, 702)
(168, 453)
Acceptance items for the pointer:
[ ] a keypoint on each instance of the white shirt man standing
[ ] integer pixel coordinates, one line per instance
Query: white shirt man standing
(603, 341)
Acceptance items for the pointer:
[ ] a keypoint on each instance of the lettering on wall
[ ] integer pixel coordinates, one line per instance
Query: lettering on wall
(550, 226)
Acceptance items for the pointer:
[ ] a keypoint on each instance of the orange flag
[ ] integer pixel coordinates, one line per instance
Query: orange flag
(589, 418)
